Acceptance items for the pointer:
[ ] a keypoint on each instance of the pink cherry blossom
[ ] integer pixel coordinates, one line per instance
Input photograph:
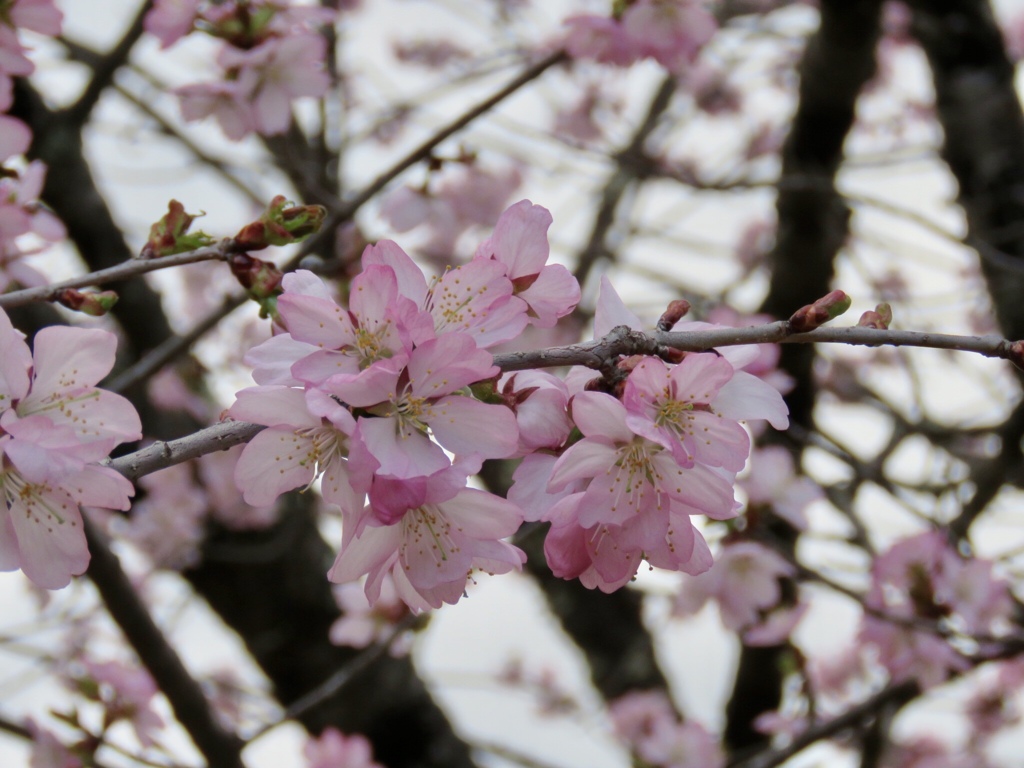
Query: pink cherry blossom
(539, 400)
(836, 675)
(530, 486)
(308, 436)
(599, 38)
(48, 751)
(15, 138)
(637, 714)
(167, 524)
(13, 61)
(629, 473)
(225, 101)
(606, 557)
(40, 531)
(275, 73)
(745, 582)
(67, 364)
(773, 483)
(650, 728)
(39, 16)
(787, 724)
(127, 693)
(362, 624)
(54, 425)
(408, 400)
(672, 32)
(580, 121)
(923, 576)
(444, 533)
(475, 298)
(911, 654)
(21, 212)
(674, 409)
(610, 311)
(171, 20)
(333, 749)
(923, 579)
(468, 195)
(379, 323)
(520, 243)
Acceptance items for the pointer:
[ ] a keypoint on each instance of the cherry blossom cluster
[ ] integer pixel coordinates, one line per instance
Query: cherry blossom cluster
(647, 724)
(55, 426)
(333, 749)
(667, 447)
(923, 595)
(271, 55)
(672, 32)
(22, 218)
(375, 398)
(125, 692)
(396, 399)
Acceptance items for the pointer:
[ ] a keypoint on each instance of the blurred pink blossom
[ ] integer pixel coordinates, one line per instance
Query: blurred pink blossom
(333, 749)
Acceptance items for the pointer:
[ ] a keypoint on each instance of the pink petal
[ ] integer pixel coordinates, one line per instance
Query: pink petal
(610, 312)
(588, 458)
(482, 515)
(48, 527)
(405, 455)
(274, 406)
(554, 294)
(520, 239)
(467, 426)
(411, 282)
(315, 321)
(600, 415)
(375, 545)
(748, 397)
(69, 358)
(275, 461)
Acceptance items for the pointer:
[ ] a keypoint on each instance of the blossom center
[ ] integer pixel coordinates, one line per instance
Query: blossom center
(429, 532)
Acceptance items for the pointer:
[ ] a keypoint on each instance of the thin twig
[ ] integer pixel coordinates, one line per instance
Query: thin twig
(849, 719)
(122, 271)
(338, 680)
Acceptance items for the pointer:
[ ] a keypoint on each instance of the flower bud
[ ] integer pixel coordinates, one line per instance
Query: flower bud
(94, 303)
(879, 317)
(281, 225)
(676, 311)
(1015, 353)
(170, 235)
(261, 279)
(812, 316)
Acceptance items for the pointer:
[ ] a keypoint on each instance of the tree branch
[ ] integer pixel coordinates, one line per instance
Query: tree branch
(220, 748)
(122, 271)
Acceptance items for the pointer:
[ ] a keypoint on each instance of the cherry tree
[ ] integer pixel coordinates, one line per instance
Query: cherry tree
(318, 321)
